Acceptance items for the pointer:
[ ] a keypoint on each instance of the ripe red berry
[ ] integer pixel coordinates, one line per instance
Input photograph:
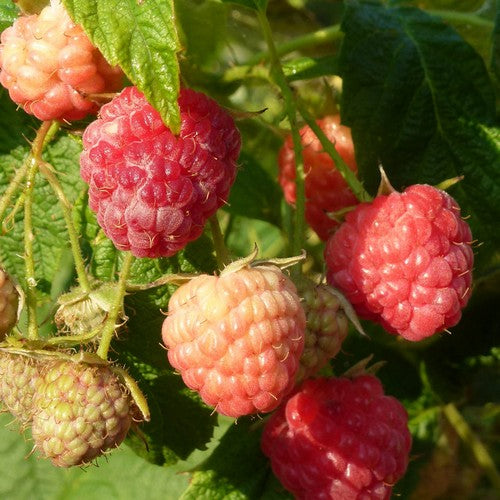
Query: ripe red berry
(237, 338)
(337, 438)
(153, 191)
(49, 65)
(404, 260)
(326, 190)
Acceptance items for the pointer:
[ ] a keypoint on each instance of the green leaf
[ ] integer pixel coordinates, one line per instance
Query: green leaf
(141, 37)
(51, 241)
(203, 29)
(420, 101)
(24, 476)
(254, 194)
(495, 53)
(8, 13)
(236, 470)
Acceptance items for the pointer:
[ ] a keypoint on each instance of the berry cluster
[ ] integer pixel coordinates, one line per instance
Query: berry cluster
(247, 339)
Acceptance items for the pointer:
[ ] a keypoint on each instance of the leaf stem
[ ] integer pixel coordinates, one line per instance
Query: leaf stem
(286, 91)
(116, 308)
(47, 170)
(477, 448)
(349, 176)
(324, 35)
(221, 253)
(29, 259)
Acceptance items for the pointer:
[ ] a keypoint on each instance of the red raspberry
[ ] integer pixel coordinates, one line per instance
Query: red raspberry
(48, 64)
(326, 189)
(405, 261)
(339, 438)
(237, 338)
(153, 191)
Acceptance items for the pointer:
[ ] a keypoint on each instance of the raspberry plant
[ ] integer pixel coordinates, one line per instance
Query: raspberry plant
(417, 86)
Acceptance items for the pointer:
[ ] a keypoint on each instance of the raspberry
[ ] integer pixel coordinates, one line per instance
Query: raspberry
(48, 65)
(18, 376)
(326, 327)
(9, 303)
(339, 438)
(405, 261)
(237, 338)
(326, 190)
(153, 191)
(79, 411)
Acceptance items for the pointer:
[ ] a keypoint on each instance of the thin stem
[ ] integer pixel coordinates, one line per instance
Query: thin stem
(462, 17)
(221, 253)
(322, 36)
(29, 259)
(349, 176)
(116, 308)
(280, 79)
(478, 449)
(13, 186)
(47, 171)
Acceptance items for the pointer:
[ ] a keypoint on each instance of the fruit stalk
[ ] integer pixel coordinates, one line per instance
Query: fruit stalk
(280, 80)
(117, 306)
(29, 260)
(221, 252)
(321, 36)
(47, 171)
(348, 175)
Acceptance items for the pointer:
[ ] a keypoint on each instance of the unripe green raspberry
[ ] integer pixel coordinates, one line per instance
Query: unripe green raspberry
(18, 377)
(326, 327)
(9, 303)
(79, 411)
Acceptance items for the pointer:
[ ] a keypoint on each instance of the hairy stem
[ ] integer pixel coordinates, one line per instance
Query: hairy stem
(47, 170)
(116, 308)
(286, 91)
(29, 260)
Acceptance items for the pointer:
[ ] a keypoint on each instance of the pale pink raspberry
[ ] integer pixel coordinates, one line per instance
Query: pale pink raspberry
(237, 338)
(49, 65)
